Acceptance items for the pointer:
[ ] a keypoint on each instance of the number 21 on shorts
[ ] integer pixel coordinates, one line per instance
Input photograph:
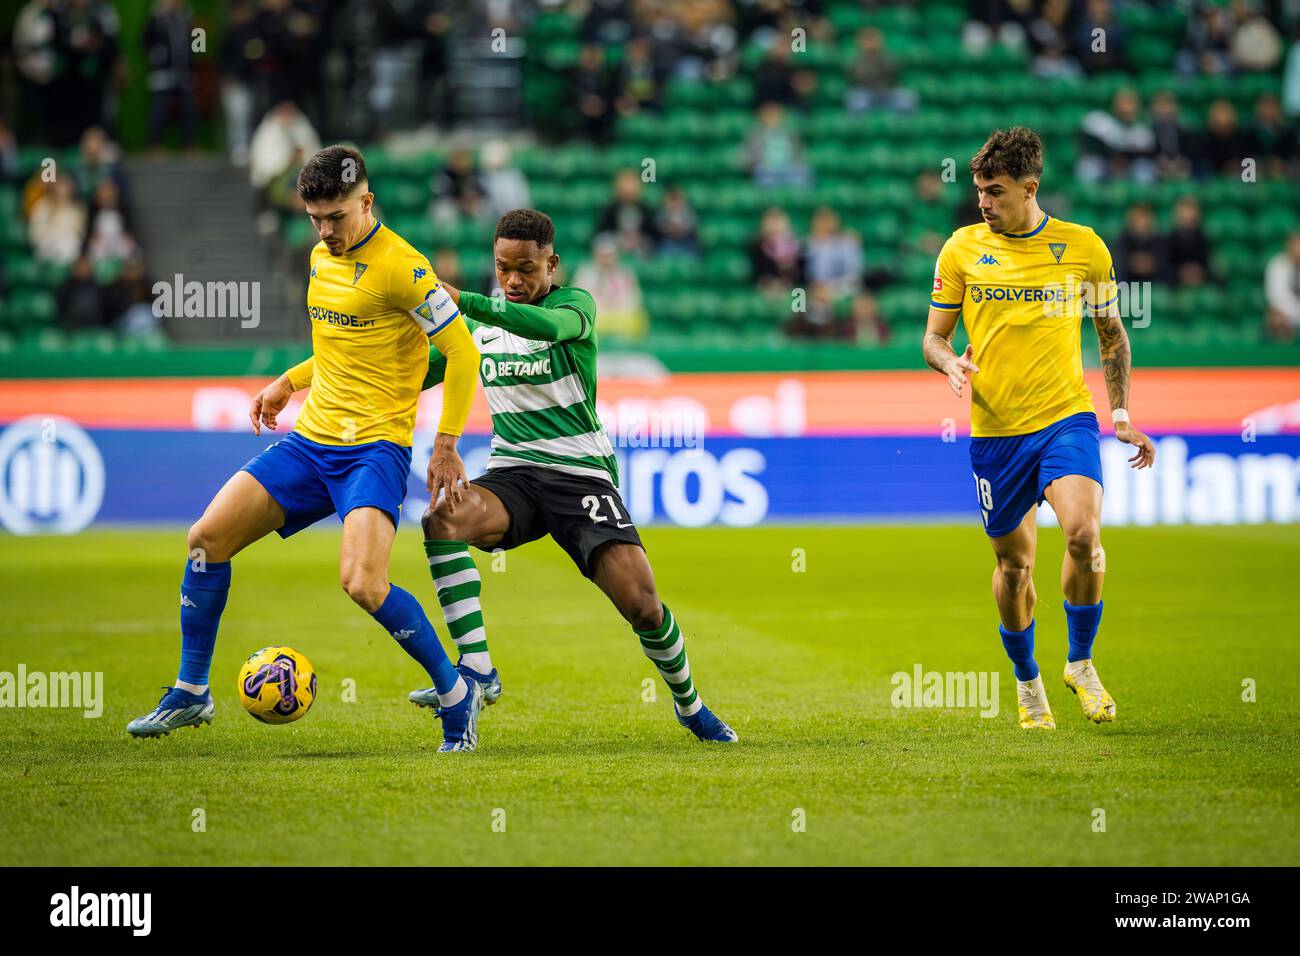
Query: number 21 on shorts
(591, 503)
(985, 491)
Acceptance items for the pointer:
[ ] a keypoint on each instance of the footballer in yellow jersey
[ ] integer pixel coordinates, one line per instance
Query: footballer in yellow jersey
(375, 306)
(1021, 281)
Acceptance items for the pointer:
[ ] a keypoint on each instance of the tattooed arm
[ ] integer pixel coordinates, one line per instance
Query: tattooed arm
(1117, 366)
(936, 346)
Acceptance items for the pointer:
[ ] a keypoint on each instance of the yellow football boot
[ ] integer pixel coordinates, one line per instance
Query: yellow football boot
(1034, 712)
(1098, 706)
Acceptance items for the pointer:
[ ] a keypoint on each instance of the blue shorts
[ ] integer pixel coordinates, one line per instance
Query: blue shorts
(1012, 472)
(311, 481)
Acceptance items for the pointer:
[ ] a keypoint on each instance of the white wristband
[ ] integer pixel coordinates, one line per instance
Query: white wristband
(1119, 415)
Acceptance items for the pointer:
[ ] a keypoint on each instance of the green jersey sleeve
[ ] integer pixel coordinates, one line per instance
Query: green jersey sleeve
(569, 315)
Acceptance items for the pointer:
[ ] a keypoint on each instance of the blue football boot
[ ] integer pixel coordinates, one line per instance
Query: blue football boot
(177, 708)
(460, 723)
(705, 725)
(491, 684)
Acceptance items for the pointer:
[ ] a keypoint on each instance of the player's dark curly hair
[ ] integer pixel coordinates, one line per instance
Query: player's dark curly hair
(332, 173)
(526, 224)
(1015, 152)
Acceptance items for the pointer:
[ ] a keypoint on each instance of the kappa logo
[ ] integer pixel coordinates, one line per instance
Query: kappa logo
(313, 272)
(419, 274)
(186, 602)
(987, 260)
(403, 634)
(361, 270)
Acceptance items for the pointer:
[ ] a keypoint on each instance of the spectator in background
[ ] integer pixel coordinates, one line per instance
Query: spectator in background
(1172, 140)
(97, 160)
(820, 319)
(868, 325)
(1117, 144)
(1141, 254)
(79, 298)
(1224, 145)
(57, 227)
(171, 88)
(774, 152)
(504, 185)
(109, 236)
(35, 54)
(774, 77)
(873, 78)
(775, 254)
(1282, 289)
(833, 254)
(283, 134)
(594, 94)
(1100, 42)
(1273, 142)
(677, 225)
(1256, 44)
(1207, 43)
(1189, 249)
(627, 219)
(616, 290)
(87, 38)
(447, 267)
(1054, 62)
(639, 79)
(237, 79)
(128, 300)
(458, 190)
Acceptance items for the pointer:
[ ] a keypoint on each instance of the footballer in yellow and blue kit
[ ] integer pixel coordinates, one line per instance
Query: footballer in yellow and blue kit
(374, 310)
(1021, 297)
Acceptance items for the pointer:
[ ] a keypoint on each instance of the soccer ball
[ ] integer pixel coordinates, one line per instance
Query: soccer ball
(277, 685)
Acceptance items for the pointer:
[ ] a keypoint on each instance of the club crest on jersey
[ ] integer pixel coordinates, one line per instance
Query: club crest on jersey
(361, 270)
(419, 274)
(986, 260)
(1057, 249)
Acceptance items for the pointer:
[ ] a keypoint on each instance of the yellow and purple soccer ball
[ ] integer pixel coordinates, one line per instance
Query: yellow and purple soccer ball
(277, 685)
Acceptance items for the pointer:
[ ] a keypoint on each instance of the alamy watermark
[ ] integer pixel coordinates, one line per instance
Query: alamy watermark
(82, 690)
(922, 688)
(209, 300)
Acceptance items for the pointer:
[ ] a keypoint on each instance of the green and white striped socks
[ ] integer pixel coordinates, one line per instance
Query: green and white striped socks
(456, 578)
(666, 648)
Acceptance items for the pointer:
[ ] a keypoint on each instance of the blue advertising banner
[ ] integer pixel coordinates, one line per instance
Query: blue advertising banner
(56, 477)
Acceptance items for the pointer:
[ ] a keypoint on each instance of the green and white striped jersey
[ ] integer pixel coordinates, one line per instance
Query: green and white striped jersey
(542, 391)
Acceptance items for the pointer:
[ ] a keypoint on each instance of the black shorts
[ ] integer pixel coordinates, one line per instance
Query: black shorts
(581, 514)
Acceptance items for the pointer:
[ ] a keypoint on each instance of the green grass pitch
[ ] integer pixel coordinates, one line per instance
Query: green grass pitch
(581, 770)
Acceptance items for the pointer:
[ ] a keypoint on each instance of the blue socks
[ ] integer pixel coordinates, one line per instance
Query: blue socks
(203, 598)
(1020, 648)
(401, 616)
(1082, 620)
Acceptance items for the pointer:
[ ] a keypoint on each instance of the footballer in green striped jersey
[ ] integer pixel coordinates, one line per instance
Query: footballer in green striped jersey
(551, 471)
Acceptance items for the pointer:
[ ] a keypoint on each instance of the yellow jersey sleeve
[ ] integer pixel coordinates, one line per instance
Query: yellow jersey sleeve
(949, 282)
(1102, 290)
(413, 287)
(457, 346)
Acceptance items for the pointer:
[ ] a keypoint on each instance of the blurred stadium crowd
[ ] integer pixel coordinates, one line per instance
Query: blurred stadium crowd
(762, 168)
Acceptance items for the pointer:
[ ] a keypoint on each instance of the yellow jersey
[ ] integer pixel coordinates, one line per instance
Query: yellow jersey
(1022, 297)
(373, 310)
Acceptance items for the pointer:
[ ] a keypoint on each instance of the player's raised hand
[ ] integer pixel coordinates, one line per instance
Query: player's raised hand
(268, 403)
(446, 473)
(1146, 449)
(958, 368)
